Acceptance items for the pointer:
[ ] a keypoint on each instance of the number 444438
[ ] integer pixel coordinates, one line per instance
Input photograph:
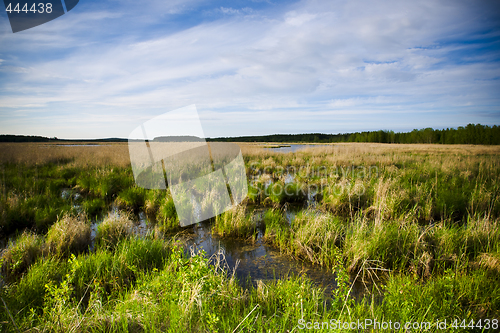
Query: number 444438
(42, 8)
(487, 324)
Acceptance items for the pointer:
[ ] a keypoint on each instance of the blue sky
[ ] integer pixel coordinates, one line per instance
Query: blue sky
(253, 67)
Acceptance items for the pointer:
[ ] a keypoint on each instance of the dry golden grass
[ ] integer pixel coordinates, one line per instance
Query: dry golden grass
(490, 261)
(78, 155)
(330, 154)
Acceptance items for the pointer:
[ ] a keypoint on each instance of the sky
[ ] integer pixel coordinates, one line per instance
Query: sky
(253, 67)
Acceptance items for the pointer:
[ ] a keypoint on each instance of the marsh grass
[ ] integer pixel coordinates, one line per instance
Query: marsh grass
(426, 223)
(26, 297)
(94, 207)
(317, 237)
(132, 198)
(393, 243)
(454, 294)
(153, 201)
(147, 284)
(277, 230)
(70, 234)
(235, 222)
(20, 255)
(115, 227)
(167, 218)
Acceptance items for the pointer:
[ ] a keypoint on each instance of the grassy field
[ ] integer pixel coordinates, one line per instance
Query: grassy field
(418, 224)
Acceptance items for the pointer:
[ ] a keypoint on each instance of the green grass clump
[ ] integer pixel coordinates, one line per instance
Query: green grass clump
(235, 222)
(94, 207)
(480, 235)
(20, 255)
(114, 227)
(70, 234)
(295, 193)
(345, 197)
(316, 237)
(131, 198)
(277, 230)
(392, 243)
(112, 183)
(108, 272)
(29, 292)
(311, 236)
(167, 217)
(256, 193)
(454, 294)
(275, 192)
(154, 199)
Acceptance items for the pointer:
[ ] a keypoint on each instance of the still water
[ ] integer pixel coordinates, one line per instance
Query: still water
(292, 148)
(250, 260)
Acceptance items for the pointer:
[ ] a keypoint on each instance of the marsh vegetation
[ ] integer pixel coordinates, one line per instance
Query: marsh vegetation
(417, 225)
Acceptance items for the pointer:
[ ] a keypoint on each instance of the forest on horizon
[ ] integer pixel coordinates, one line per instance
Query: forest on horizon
(471, 134)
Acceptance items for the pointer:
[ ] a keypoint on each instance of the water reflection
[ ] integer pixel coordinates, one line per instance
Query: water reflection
(293, 147)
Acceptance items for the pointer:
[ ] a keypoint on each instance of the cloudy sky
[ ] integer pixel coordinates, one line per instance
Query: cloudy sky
(253, 67)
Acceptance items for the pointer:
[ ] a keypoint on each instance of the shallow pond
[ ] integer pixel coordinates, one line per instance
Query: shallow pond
(292, 148)
(253, 261)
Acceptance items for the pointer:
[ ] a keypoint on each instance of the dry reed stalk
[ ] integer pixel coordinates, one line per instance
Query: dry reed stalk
(40, 153)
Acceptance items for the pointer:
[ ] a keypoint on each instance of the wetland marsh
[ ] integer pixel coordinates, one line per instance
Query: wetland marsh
(328, 232)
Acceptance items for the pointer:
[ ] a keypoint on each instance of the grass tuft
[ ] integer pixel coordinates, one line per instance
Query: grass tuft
(20, 255)
(70, 234)
(115, 227)
(235, 222)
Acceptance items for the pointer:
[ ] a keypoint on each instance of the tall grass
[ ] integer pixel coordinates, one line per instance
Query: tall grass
(20, 255)
(115, 227)
(421, 220)
(70, 234)
(146, 285)
(235, 222)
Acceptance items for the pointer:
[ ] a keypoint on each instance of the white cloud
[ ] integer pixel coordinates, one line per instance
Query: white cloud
(315, 58)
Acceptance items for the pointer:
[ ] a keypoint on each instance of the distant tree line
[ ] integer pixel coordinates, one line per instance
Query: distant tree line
(24, 138)
(470, 134)
(33, 138)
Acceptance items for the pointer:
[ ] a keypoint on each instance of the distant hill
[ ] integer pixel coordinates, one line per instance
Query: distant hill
(470, 134)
